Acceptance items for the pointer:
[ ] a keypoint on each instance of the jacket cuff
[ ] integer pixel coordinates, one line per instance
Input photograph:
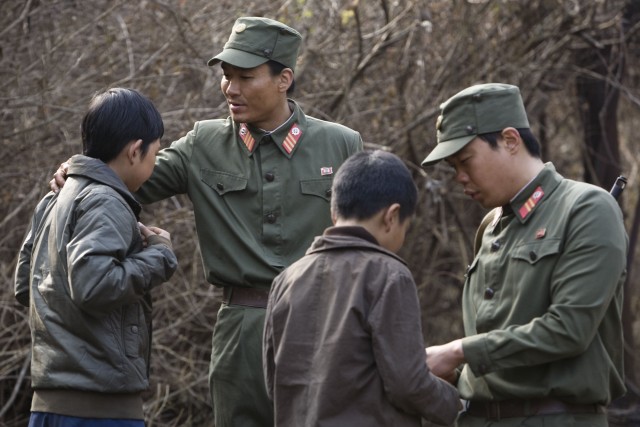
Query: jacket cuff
(159, 240)
(476, 354)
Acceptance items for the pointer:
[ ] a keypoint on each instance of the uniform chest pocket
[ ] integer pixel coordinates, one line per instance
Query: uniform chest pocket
(317, 187)
(223, 182)
(533, 252)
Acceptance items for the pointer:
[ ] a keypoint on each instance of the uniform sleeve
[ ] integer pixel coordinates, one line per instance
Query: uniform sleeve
(102, 274)
(23, 268)
(586, 277)
(400, 357)
(171, 172)
(358, 144)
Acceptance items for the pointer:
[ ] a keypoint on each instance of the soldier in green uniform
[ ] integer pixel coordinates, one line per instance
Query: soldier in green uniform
(260, 183)
(542, 299)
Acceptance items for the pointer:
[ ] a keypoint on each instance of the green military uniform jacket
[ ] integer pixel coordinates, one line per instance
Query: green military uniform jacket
(542, 300)
(259, 200)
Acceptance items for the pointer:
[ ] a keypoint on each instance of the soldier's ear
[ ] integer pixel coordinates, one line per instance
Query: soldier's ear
(512, 140)
(286, 80)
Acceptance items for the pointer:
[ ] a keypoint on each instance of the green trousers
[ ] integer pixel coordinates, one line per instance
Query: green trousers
(560, 420)
(236, 379)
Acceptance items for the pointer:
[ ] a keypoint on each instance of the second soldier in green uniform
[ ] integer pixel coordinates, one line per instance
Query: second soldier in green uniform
(542, 299)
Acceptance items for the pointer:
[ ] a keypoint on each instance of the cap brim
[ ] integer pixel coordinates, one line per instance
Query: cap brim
(445, 149)
(238, 58)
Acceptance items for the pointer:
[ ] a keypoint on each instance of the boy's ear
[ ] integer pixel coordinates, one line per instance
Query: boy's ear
(391, 215)
(134, 149)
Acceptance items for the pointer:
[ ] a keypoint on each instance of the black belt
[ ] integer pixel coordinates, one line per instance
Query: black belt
(248, 297)
(529, 407)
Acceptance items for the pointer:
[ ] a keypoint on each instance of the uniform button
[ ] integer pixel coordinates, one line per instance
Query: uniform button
(271, 218)
(489, 293)
(220, 186)
(328, 193)
(533, 255)
(134, 329)
(269, 176)
(495, 245)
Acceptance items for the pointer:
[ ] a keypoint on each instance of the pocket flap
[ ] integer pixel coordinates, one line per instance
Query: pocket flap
(534, 251)
(317, 187)
(223, 182)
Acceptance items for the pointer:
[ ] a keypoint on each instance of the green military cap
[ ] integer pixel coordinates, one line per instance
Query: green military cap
(474, 111)
(254, 41)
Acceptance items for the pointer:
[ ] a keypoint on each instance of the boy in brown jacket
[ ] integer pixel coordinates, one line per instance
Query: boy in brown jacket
(343, 342)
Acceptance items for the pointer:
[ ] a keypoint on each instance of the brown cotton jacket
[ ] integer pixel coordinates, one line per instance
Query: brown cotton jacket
(343, 344)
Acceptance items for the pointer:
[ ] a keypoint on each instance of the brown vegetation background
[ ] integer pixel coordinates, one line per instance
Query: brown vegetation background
(381, 67)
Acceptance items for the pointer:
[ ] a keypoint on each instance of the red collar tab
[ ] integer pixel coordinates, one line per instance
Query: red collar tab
(246, 137)
(531, 202)
(292, 138)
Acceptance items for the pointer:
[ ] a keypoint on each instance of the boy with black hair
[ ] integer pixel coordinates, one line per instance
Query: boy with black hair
(342, 341)
(85, 271)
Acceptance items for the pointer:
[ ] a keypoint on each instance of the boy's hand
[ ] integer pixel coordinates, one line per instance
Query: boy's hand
(59, 177)
(154, 235)
(444, 359)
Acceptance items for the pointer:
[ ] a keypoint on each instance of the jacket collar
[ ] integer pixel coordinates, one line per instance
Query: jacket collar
(97, 170)
(354, 231)
(525, 203)
(351, 237)
(287, 137)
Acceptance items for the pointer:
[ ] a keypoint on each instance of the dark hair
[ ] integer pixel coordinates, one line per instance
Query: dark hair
(115, 118)
(275, 68)
(530, 142)
(370, 181)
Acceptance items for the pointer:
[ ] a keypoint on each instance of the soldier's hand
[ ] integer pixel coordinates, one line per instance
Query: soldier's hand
(59, 177)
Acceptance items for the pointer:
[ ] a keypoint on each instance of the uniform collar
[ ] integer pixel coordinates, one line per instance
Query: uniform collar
(525, 203)
(287, 137)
